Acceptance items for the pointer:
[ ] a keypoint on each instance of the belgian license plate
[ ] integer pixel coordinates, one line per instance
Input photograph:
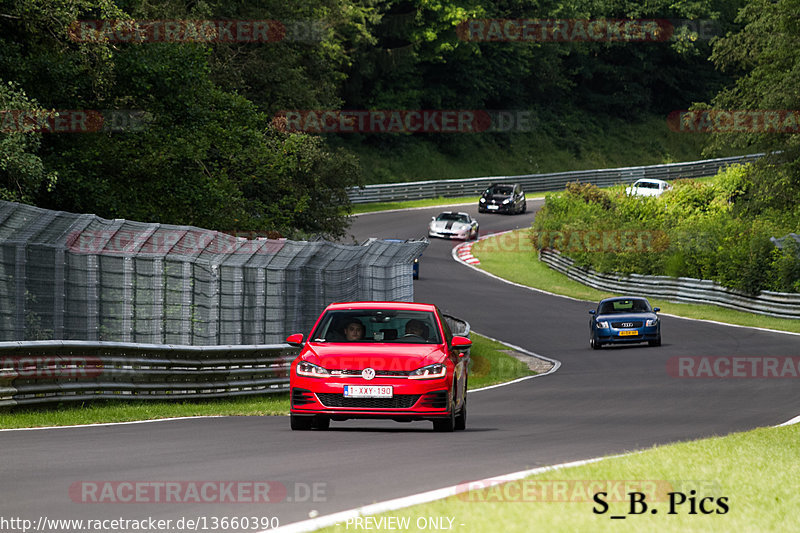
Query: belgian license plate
(364, 391)
(493, 207)
(628, 333)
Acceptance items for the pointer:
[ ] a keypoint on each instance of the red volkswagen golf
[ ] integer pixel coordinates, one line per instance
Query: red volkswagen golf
(392, 360)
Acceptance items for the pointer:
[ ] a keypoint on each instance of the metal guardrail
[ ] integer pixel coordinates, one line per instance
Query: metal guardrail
(49, 371)
(36, 372)
(455, 188)
(777, 304)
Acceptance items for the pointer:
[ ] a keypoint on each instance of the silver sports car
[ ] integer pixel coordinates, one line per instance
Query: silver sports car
(452, 225)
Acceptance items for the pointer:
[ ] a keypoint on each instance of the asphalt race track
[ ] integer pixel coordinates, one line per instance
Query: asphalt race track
(597, 403)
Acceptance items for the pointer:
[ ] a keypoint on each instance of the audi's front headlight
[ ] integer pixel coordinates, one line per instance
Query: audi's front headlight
(651, 322)
(311, 370)
(429, 372)
(602, 324)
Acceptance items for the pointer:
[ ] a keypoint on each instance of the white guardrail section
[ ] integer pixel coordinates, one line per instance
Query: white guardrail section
(417, 190)
(36, 372)
(777, 304)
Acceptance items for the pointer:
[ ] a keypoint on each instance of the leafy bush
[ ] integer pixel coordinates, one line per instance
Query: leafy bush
(589, 193)
(785, 268)
(695, 230)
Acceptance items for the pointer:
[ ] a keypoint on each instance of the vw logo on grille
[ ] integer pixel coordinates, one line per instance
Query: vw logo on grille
(368, 373)
(627, 324)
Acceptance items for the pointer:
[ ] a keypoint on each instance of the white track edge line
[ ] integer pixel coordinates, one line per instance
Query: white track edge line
(116, 423)
(423, 497)
(534, 289)
(411, 209)
(556, 365)
(438, 494)
(793, 421)
(428, 207)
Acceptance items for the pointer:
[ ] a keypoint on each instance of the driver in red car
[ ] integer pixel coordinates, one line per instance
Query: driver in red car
(354, 330)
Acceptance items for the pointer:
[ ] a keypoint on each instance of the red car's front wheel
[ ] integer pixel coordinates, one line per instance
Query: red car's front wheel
(301, 423)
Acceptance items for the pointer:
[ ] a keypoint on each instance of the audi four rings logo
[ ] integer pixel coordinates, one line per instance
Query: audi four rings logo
(368, 373)
(627, 324)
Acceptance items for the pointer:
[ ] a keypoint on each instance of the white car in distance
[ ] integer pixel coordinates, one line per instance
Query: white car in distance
(648, 187)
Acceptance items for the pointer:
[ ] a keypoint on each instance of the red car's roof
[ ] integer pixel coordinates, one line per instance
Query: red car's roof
(408, 306)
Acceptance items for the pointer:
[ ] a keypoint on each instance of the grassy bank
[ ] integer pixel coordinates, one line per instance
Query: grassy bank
(375, 207)
(614, 143)
(721, 468)
(511, 256)
(489, 366)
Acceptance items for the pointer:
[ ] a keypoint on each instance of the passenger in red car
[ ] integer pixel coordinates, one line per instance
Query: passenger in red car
(415, 328)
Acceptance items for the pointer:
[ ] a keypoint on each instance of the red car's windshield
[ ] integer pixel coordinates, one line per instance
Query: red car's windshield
(378, 325)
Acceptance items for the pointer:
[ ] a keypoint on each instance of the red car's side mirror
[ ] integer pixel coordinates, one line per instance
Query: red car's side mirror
(461, 342)
(295, 339)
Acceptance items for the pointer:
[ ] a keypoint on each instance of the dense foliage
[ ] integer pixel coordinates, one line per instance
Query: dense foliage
(695, 230)
(205, 147)
(765, 56)
(191, 147)
(719, 230)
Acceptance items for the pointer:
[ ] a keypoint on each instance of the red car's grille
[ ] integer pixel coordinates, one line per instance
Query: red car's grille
(378, 373)
(401, 401)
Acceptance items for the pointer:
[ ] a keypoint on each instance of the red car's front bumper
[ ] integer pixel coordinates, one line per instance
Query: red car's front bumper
(411, 399)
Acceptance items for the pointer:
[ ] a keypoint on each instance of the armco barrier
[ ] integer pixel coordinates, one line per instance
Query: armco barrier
(36, 372)
(777, 304)
(417, 190)
(50, 371)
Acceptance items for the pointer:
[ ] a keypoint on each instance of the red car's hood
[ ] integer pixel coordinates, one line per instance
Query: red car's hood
(358, 356)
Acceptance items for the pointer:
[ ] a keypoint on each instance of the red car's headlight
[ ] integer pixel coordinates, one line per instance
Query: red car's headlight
(311, 370)
(429, 372)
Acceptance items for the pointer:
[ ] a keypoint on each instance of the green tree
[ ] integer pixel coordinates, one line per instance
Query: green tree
(22, 172)
(764, 55)
(206, 155)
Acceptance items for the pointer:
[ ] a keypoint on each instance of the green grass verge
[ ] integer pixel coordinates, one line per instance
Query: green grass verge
(375, 207)
(511, 256)
(489, 366)
(756, 471)
(102, 411)
(429, 202)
